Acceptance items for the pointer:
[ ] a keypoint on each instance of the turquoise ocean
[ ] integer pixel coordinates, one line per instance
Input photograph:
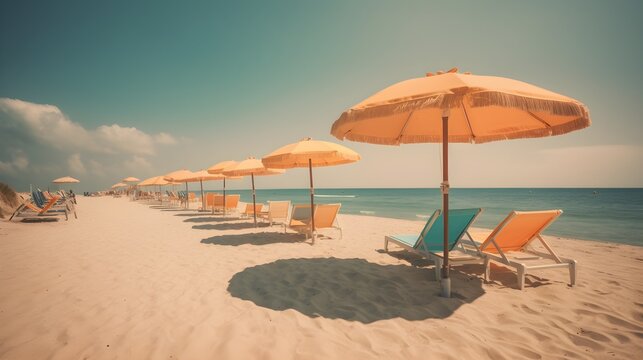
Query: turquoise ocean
(614, 215)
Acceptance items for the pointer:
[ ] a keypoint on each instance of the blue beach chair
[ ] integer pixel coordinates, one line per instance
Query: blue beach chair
(430, 242)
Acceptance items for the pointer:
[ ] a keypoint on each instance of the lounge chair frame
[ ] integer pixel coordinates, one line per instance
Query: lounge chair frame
(464, 250)
(520, 262)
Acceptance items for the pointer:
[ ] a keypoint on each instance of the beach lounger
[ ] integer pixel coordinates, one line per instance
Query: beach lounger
(277, 212)
(38, 205)
(231, 203)
(248, 211)
(430, 241)
(325, 218)
(510, 245)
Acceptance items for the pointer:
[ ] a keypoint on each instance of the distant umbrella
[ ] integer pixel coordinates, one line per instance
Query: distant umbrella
(253, 167)
(65, 180)
(310, 153)
(219, 168)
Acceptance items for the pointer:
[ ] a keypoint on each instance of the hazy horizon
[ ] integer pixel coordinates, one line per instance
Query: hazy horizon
(105, 91)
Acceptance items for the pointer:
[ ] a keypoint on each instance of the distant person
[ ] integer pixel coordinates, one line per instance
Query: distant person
(72, 196)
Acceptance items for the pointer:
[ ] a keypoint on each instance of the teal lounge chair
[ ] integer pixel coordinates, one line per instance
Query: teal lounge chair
(430, 241)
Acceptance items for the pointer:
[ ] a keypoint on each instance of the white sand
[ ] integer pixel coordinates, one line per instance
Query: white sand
(132, 282)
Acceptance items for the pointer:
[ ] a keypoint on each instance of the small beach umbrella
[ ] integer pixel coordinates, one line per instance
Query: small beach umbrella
(310, 153)
(464, 108)
(253, 167)
(204, 175)
(219, 168)
(155, 181)
(119, 185)
(65, 180)
(174, 176)
(132, 180)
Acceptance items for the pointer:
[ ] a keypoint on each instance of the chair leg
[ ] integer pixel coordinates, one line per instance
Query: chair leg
(521, 276)
(487, 269)
(572, 272)
(385, 244)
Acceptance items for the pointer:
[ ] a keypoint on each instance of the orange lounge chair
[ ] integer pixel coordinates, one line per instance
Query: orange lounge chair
(325, 218)
(41, 206)
(249, 211)
(277, 212)
(510, 245)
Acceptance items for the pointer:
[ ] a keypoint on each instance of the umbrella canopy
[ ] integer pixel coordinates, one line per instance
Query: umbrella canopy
(219, 168)
(253, 167)
(155, 181)
(481, 109)
(130, 179)
(119, 185)
(65, 180)
(204, 175)
(307, 152)
(452, 107)
(310, 153)
(181, 176)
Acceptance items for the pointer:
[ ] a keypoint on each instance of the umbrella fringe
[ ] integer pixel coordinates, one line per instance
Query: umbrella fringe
(579, 123)
(285, 161)
(493, 98)
(474, 100)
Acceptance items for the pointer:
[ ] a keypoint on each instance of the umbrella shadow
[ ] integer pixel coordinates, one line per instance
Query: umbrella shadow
(351, 289)
(500, 275)
(411, 258)
(507, 278)
(264, 238)
(202, 219)
(230, 226)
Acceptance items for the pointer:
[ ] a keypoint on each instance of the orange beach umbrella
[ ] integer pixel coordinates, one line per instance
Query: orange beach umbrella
(65, 180)
(253, 167)
(453, 107)
(310, 153)
(179, 176)
(218, 169)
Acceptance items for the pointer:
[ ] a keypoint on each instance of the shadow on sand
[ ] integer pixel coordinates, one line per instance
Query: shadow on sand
(263, 238)
(203, 219)
(500, 275)
(351, 289)
(232, 226)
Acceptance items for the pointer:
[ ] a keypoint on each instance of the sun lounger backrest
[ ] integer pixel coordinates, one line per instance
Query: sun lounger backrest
(518, 229)
(459, 222)
(231, 201)
(248, 210)
(279, 209)
(37, 198)
(300, 212)
(325, 215)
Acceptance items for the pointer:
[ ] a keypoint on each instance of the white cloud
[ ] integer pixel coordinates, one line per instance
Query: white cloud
(76, 165)
(48, 125)
(164, 139)
(19, 162)
(137, 163)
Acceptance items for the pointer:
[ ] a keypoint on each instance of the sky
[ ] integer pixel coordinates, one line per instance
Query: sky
(101, 90)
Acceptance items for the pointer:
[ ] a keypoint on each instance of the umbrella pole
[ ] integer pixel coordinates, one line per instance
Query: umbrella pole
(223, 199)
(187, 196)
(312, 200)
(254, 201)
(202, 196)
(445, 281)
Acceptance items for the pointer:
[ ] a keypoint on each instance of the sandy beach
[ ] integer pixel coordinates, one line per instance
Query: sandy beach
(133, 281)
